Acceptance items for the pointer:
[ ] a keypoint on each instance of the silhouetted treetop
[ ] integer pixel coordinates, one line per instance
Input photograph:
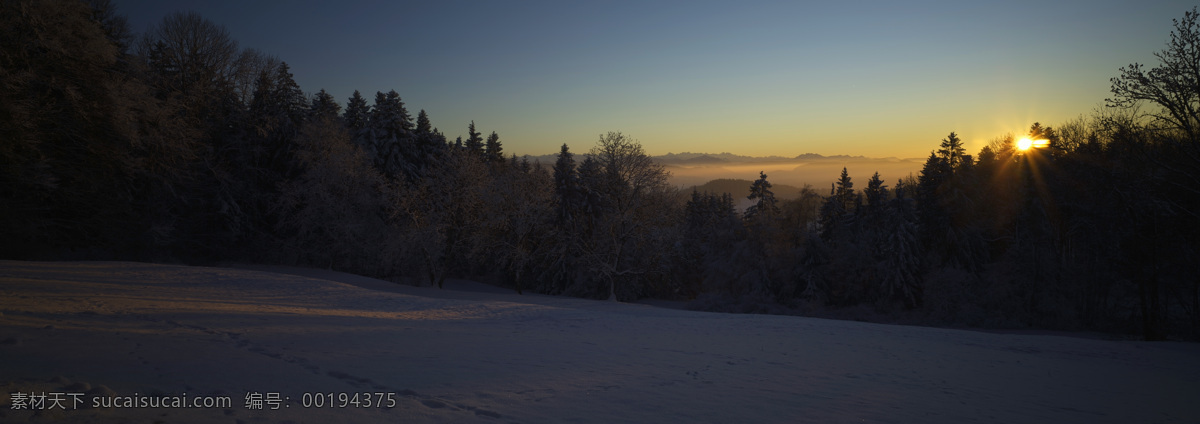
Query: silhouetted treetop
(1173, 86)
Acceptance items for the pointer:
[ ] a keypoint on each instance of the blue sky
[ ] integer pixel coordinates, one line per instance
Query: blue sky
(872, 78)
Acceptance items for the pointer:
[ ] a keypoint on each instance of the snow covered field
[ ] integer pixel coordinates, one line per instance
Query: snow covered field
(477, 354)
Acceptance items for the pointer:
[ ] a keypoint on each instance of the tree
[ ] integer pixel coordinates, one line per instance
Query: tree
(1173, 87)
(765, 205)
(902, 276)
(952, 151)
(192, 56)
(630, 186)
(278, 106)
(931, 215)
(566, 185)
(357, 114)
(390, 135)
(331, 213)
(65, 154)
(844, 192)
(423, 125)
(248, 66)
(474, 141)
(493, 152)
(324, 106)
(876, 193)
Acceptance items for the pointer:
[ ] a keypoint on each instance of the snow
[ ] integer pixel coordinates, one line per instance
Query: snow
(475, 353)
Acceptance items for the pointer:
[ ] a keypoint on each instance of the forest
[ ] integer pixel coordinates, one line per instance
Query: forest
(177, 145)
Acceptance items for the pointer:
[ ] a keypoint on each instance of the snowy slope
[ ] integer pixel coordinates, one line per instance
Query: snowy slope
(481, 355)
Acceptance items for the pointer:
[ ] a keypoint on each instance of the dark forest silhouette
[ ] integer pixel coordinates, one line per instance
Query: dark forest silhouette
(177, 145)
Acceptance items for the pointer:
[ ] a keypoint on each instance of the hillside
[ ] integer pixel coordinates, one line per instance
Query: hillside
(739, 188)
(105, 329)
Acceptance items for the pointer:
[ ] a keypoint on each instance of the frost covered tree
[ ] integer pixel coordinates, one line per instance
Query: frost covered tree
(389, 135)
(423, 124)
(427, 146)
(474, 143)
(278, 106)
(89, 156)
(630, 189)
(566, 186)
(711, 258)
(902, 276)
(357, 114)
(493, 152)
(324, 106)
(192, 58)
(932, 216)
(331, 212)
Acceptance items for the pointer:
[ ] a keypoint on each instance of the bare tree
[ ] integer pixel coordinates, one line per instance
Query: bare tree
(635, 192)
(1173, 86)
(190, 52)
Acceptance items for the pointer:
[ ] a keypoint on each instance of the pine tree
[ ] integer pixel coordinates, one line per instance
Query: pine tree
(902, 253)
(876, 194)
(845, 191)
(423, 125)
(952, 151)
(390, 135)
(357, 113)
(566, 185)
(428, 146)
(324, 106)
(276, 111)
(931, 214)
(474, 142)
(493, 152)
(832, 212)
(765, 205)
(591, 182)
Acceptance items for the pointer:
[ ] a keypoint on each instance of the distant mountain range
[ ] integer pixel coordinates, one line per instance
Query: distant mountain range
(726, 157)
(689, 158)
(730, 173)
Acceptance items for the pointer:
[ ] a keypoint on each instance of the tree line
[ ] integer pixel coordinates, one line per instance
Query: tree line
(177, 145)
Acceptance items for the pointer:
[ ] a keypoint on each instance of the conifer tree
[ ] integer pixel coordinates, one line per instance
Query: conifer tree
(390, 135)
(566, 185)
(952, 151)
(831, 215)
(876, 193)
(934, 173)
(423, 125)
(324, 106)
(493, 151)
(844, 193)
(474, 141)
(276, 111)
(902, 253)
(357, 113)
(765, 204)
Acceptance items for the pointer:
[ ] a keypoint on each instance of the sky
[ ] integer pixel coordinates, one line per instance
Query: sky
(870, 78)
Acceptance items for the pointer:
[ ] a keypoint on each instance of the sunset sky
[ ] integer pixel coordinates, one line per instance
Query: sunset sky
(872, 78)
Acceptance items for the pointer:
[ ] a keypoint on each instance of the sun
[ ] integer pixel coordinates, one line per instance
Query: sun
(1028, 143)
